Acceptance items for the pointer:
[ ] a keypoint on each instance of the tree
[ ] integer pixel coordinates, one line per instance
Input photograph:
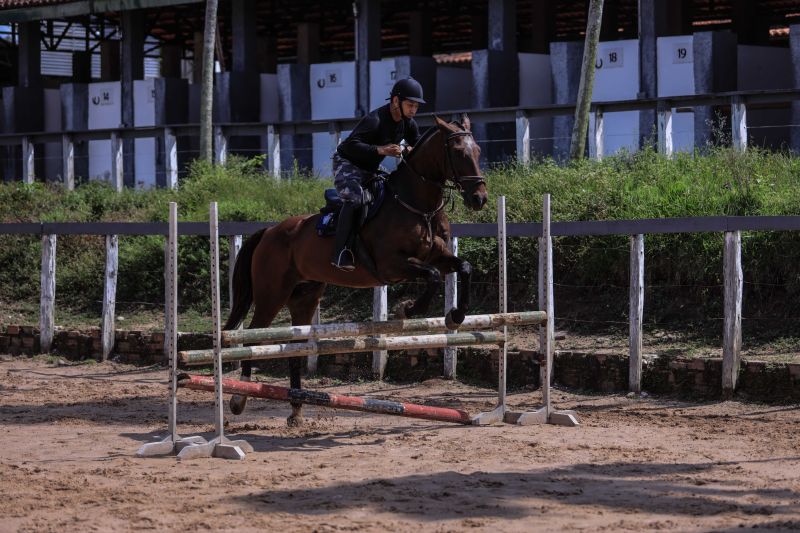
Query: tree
(579, 130)
(207, 85)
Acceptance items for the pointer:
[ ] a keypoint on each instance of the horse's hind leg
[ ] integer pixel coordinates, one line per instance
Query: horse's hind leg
(265, 311)
(302, 306)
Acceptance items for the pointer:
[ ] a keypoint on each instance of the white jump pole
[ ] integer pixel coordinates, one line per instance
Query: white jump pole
(172, 443)
(220, 446)
(498, 413)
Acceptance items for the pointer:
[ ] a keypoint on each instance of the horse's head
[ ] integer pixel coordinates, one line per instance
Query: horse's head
(462, 162)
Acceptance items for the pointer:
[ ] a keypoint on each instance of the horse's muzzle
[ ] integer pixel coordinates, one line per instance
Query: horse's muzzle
(476, 200)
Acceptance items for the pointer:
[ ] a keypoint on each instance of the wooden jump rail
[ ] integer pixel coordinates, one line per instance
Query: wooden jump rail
(332, 346)
(324, 399)
(355, 329)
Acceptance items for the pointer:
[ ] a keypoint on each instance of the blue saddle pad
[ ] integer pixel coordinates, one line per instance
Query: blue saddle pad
(326, 224)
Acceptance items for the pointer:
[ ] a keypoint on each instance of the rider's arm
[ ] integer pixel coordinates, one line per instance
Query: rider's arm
(357, 146)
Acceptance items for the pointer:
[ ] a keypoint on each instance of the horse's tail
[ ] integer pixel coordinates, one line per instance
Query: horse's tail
(242, 282)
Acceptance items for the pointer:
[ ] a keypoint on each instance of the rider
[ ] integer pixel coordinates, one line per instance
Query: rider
(358, 157)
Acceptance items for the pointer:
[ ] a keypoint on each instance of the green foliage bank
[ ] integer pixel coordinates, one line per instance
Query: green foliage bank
(683, 272)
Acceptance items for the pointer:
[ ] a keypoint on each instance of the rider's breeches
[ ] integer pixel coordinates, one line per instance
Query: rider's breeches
(347, 178)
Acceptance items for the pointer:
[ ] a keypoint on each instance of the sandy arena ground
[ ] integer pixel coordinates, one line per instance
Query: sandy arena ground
(70, 433)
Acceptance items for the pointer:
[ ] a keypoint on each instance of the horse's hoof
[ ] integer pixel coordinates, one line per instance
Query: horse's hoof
(403, 309)
(294, 421)
(454, 318)
(238, 403)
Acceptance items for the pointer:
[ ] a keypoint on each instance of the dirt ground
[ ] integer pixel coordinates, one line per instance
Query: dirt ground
(70, 433)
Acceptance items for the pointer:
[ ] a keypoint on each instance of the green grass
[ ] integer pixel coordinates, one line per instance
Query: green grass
(683, 272)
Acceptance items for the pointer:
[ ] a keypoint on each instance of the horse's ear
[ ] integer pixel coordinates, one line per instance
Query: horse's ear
(465, 122)
(439, 122)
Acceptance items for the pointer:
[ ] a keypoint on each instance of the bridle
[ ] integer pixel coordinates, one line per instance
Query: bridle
(457, 183)
(457, 180)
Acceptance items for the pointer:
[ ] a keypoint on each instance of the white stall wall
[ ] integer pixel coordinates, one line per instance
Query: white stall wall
(104, 112)
(333, 95)
(765, 68)
(453, 88)
(617, 78)
(382, 75)
(676, 78)
(53, 166)
(536, 88)
(269, 98)
(144, 114)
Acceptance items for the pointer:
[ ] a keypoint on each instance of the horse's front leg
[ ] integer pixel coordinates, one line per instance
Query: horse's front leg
(448, 263)
(416, 269)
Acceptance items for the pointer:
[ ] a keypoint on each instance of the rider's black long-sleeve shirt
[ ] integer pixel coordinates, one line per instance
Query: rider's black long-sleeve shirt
(376, 129)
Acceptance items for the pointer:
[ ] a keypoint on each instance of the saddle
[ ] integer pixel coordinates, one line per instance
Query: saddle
(373, 195)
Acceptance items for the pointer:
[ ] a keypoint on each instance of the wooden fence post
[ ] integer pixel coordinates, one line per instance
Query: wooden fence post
(68, 160)
(665, 146)
(109, 296)
(274, 151)
(171, 156)
(596, 146)
(117, 165)
(739, 123)
(379, 313)
(220, 146)
(523, 138)
(450, 355)
(732, 335)
(636, 297)
(48, 295)
(28, 160)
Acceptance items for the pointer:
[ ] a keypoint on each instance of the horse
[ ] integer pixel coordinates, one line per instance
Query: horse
(289, 264)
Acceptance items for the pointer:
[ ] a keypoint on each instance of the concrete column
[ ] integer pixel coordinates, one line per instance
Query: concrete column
(109, 61)
(82, 67)
(171, 55)
(610, 22)
(420, 42)
(495, 79)
(653, 16)
(295, 104)
(542, 27)
(748, 27)
(715, 70)
(307, 43)
(29, 54)
(267, 53)
(368, 48)
(244, 77)
(10, 156)
(132, 68)
(197, 59)
(502, 26)
(565, 61)
(171, 107)
(75, 117)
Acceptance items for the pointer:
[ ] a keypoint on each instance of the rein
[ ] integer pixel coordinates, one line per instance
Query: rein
(457, 180)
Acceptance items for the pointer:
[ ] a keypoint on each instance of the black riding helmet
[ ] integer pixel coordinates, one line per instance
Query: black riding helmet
(408, 89)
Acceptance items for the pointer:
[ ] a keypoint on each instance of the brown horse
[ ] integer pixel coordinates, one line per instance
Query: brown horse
(289, 264)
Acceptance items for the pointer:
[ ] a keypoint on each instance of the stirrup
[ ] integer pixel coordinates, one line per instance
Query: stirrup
(344, 265)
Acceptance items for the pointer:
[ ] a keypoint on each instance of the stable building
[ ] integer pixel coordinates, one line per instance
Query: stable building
(109, 89)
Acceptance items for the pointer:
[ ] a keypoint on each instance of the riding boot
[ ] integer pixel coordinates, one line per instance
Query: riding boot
(343, 258)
